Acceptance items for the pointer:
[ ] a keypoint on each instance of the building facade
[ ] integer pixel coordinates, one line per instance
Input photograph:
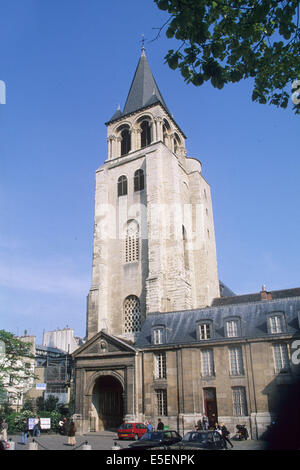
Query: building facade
(162, 338)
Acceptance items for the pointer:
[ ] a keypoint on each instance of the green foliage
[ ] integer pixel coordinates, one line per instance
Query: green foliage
(13, 363)
(15, 419)
(51, 403)
(225, 41)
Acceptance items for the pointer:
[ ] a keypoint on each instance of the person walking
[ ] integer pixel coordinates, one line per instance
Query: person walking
(25, 430)
(225, 436)
(37, 427)
(199, 424)
(205, 422)
(71, 433)
(4, 428)
(160, 425)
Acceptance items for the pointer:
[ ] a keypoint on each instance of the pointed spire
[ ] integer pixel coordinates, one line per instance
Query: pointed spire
(143, 87)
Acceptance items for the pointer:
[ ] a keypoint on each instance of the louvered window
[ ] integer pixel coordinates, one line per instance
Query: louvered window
(132, 314)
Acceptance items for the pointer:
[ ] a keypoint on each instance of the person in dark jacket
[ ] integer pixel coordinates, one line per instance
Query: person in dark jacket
(225, 436)
(160, 425)
(71, 433)
(25, 430)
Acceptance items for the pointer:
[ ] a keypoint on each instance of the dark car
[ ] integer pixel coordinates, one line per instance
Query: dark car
(155, 439)
(131, 431)
(200, 440)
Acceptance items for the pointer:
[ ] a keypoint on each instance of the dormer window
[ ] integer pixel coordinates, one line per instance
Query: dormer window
(158, 335)
(204, 330)
(232, 328)
(122, 186)
(275, 324)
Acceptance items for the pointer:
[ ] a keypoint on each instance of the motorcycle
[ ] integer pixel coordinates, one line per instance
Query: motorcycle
(242, 433)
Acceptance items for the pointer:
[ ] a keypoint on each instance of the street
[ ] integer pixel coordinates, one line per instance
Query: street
(103, 441)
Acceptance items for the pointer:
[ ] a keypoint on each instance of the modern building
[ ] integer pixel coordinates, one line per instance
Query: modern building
(165, 338)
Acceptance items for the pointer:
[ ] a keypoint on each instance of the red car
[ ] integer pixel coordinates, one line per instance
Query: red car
(131, 431)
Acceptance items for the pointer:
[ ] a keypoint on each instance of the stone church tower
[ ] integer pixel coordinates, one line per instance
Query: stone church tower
(154, 242)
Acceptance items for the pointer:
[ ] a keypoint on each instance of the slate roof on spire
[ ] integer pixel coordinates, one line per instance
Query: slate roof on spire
(143, 91)
(143, 88)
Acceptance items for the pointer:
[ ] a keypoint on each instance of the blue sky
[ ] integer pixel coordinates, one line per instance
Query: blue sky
(67, 65)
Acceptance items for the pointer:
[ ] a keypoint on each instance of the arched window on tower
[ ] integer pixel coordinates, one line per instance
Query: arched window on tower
(125, 141)
(122, 186)
(132, 248)
(145, 134)
(139, 180)
(132, 314)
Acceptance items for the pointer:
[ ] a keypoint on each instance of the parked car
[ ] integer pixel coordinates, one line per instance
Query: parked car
(200, 440)
(155, 439)
(131, 431)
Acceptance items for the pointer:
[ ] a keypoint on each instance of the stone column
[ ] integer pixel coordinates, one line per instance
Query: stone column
(117, 147)
(159, 129)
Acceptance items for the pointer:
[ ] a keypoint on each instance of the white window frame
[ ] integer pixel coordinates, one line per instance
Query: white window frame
(281, 358)
(276, 324)
(205, 331)
(160, 365)
(158, 335)
(161, 402)
(239, 401)
(232, 328)
(236, 361)
(207, 363)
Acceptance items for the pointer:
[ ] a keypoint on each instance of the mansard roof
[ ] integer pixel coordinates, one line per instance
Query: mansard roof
(181, 326)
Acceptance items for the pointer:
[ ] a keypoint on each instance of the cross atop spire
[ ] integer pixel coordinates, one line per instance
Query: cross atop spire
(143, 44)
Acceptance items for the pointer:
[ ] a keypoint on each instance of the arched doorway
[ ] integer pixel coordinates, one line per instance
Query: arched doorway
(107, 399)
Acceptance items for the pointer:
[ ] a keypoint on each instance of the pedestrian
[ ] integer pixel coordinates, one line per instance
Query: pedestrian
(217, 428)
(149, 426)
(25, 430)
(37, 427)
(4, 428)
(205, 422)
(160, 425)
(199, 424)
(225, 436)
(65, 427)
(71, 433)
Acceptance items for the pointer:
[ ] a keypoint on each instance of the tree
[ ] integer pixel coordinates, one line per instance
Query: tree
(15, 366)
(225, 41)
